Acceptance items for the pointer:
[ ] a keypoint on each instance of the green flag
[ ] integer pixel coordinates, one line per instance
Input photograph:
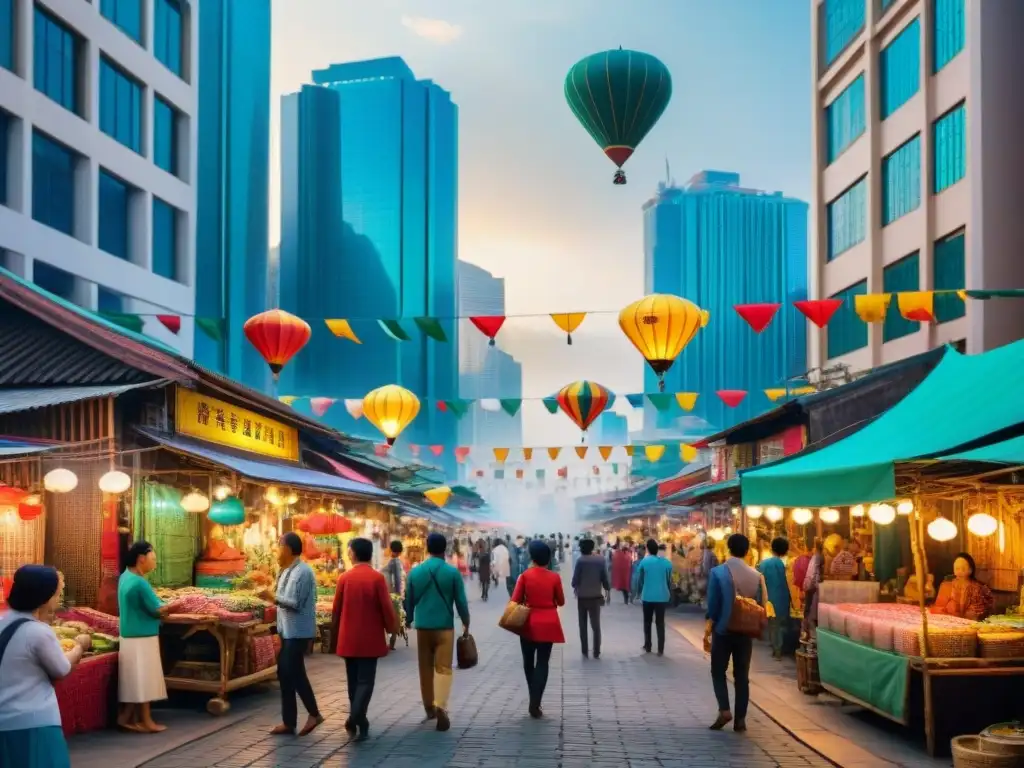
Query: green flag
(458, 407)
(393, 329)
(662, 401)
(212, 327)
(511, 405)
(127, 321)
(551, 403)
(430, 326)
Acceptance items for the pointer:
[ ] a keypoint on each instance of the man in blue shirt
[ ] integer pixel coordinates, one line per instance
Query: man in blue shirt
(654, 583)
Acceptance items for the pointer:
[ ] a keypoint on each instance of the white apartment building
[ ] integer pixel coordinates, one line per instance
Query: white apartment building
(97, 154)
(918, 116)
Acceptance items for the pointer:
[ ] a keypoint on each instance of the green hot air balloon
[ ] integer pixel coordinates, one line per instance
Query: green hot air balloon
(618, 96)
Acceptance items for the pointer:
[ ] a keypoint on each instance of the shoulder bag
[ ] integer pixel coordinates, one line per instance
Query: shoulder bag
(7, 634)
(513, 618)
(749, 617)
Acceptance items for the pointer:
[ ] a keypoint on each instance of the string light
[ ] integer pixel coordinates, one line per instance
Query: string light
(829, 516)
(802, 516)
(942, 529)
(882, 514)
(754, 512)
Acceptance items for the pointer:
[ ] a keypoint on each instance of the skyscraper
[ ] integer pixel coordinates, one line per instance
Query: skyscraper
(718, 244)
(233, 177)
(369, 225)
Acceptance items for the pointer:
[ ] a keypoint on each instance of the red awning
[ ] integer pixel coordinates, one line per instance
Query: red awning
(681, 482)
(342, 471)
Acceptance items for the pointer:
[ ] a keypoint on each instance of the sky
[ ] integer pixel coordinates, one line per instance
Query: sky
(536, 203)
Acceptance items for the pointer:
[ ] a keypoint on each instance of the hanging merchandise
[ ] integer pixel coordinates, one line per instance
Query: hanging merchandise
(568, 322)
(660, 326)
(230, 511)
(583, 401)
(324, 524)
(391, 409)
(278, 336)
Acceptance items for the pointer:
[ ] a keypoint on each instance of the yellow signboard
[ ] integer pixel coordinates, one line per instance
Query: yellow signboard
(215, 421)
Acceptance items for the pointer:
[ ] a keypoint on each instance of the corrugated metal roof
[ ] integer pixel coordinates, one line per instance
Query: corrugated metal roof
(11, 448)
(15, 400)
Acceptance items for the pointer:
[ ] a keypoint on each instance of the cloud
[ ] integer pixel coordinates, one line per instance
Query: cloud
(435, 30)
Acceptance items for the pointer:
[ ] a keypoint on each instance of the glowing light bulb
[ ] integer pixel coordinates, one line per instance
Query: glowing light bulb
(802, 516)
(754, 512)
(773, 514)
(942, 529)
(829, 516)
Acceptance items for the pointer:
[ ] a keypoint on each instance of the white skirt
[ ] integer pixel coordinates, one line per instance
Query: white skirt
(140, 675)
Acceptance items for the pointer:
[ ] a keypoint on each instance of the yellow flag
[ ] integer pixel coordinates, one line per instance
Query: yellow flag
(553, 453)
(439, 495)
(686, 400)
(803, 390)
(654, 452)
(527, 453)
(629, 450)
(872, 307)
(605, 451)
(581, 451)
(500, 454)
(962, 294)
(569, 321)
(288, 399)
(918, 306)
(775, 394)
(687, 453)
(340, 327)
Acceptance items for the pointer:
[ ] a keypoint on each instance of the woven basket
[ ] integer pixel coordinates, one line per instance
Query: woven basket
(906, 639)
(1001, 645)
(948, 643)
(969, 752)
(807, 679)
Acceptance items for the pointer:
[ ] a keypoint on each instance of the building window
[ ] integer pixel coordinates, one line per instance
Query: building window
(847, 219)
(167, 34)
(949, 143)
(900, 69)
(948, 34)
(841, 21)
(5, 132)
(56, 281)
(109, 301)
(165, 239)
(901, 181)
(165, 136)
(115, 201)
(53, 183)
(950, 271)
(120, 106)
(904, 275)
(55, 60)
(845, 118)
(846, 331)
(126, 15)
(7, 34)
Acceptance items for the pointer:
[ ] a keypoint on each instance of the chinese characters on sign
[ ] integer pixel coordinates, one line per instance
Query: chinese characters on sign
(215, 421)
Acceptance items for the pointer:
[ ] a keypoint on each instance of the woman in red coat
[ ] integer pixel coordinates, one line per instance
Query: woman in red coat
(622, 571)
(541, 591)
(363, 617)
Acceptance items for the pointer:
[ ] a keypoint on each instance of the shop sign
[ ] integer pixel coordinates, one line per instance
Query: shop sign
(720, 464)
(791, 440)
(215, 421)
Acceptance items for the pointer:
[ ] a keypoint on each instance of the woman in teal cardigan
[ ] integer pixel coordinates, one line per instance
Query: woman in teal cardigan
(774, 571)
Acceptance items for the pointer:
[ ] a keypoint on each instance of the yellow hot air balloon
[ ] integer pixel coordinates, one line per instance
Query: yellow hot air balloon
(439, 495)
(660, 326)
(391, 409)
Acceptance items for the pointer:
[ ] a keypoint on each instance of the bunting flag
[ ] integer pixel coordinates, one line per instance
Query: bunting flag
(511, 405)
(461, 453)
(393, 329)
(212, 327)
(500, 454)
(605, 451)
(569, 322)
(776, 394)
(636, 401)
(661, 401)
(528, 454)
(686, 400)
(457, 407)
(581, 451)
(595, 469)
(553, 453)
(540, 474)
(917, 306)
(819, 311)
(430, 327)
(758, 316)
(381, 449)
(872, 307)
(563, 472)
(490, 404)
(629, 450)
(171, 322)
(731, 397)
(551, 403)
(687, 453)
(354, 408)
(437, 450)
(519, 474)
(288, 399)
(414, 450)
(499, 474)
(615, 469)
(654, 452)
(341, 328)
(320, 405)
(488, 325)
(129, 322)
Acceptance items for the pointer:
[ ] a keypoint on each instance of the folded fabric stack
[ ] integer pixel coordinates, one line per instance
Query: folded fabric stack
(897, 627)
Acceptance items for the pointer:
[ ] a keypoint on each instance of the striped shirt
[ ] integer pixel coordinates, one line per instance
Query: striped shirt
(296, 602)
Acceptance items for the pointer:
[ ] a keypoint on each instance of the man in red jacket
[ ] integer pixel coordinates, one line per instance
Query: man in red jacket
(363, 618)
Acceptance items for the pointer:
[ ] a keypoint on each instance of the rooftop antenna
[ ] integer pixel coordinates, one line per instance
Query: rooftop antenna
(668, 174)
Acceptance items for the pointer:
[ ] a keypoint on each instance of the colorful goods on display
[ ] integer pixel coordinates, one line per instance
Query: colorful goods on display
(236, 606)
(898, 627)
(102, 630)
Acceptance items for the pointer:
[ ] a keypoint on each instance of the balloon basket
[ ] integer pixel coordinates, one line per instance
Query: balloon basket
(619, 178)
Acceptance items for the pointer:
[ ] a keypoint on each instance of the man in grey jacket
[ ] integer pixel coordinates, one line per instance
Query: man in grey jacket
(590, 582)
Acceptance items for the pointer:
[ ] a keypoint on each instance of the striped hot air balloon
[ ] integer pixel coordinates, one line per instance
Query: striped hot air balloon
(583, 401)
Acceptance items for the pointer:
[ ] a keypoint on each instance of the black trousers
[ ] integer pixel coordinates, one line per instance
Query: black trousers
(536, 659)
(589, 609)
(362, 675)
(625, 596)
(655, 611)
(485, 585)
(739, 648)
(291, 673)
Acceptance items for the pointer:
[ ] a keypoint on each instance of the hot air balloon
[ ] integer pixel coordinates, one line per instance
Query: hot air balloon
(583, 401)
(391, 409)
(278, 336)
(660, 326)
(618, 96)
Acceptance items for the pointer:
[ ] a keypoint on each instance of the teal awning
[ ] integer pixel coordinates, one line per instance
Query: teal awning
(695, 495)
(963, 401)
(1009, 452)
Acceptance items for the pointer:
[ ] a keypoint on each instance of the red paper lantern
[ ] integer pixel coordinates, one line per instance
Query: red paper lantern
(819, 311)
(758, 316)
(29, 512)
(322, 524)
(731, 397)
(11, 496)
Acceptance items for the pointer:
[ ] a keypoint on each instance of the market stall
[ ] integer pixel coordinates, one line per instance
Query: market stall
(87, 697)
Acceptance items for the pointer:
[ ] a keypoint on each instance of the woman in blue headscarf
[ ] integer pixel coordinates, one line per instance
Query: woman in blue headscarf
(31, 658)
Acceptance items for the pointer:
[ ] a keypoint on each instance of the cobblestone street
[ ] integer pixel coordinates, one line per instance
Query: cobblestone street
(626, 709)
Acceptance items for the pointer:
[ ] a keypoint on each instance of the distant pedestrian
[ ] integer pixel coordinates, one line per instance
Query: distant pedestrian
(394, 573)
(654, 585)
(541, 591)
(590, 582)
(622, 565)
(501, 562)
(774, 571)
(483, 564)
(519, 562)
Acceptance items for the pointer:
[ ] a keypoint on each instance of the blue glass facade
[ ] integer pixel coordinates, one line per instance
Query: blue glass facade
(847, 219)
(7, 34)
(899, 74)
(165, 136)
(846, 332)
(903, 275)
(165, 240)
(55, 56)
(114, 201)
(126, 15)
(108, 300)
(5, 127)
(949, 274)
(949, 143)
(845, 119)
(56, 281)
(120, 105)
(841, 22)
(901, 181)
(719, 245)
(167, 37)
(232, 220)
(949, 31)
(53, 183)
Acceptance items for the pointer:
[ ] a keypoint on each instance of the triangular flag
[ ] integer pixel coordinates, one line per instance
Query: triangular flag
(442, 406)
(354, 408)
(569, 322)
(551, 403)
(595, 469)
(872, 307)
(381, 449)
(488, 325)
(499, 474)
(127, 321)
(511, 405)
(500, 454)
(731, 397)
(461, 453)
(819, 311)
(439, 495)
(430, 326)
(212, 327)
(629, 450)
(581, 451)
(540, 474)
(414, 449)
(635, 400)
(490, 404)
(288, 399)
(319, 405)
(519, 474)
(962, 294)
(171, 322)
(654, 452)
(563, 472)
(615, 469)
(687, 453)
(605, 451)
(527, 454)
(661, 401)
(458, 407)
(803, 391)
(918, 306)
(393, 329)
(341, 328)
(437, 450)
(686, 400)
(775, 394)
(553, 453)
(758, 316)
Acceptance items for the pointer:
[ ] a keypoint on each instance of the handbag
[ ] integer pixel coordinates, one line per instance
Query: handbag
(513, 618)
(465, 652)
(748, 618)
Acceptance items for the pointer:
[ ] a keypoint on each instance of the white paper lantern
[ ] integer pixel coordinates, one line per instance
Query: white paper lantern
(754, 512)
(802, 516)
(115, 481)
(882, 514)
(829, 516)
(982, 524)
(905, 507)
(857, 511)
(942, 529)
(773, 514)
(60, 481)
(717, 534)
(195, 502)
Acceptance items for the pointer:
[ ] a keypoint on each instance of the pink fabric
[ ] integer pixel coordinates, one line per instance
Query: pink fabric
(342, 471)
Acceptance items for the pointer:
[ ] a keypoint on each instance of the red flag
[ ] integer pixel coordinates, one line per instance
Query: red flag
(488, 325)
(731, 397)
(381, 449)
(171, 322)
(819, 311)
(437, 450)
(563, 472)
(758, 316)
(414, 449)
(461, 453)
(442, 406)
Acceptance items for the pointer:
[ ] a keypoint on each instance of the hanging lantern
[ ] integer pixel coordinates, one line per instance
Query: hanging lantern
(735, 511)
(115, 481)
(439, 496)
(857, 510)
(942, 529)
(11, 496)
(773, 514)
(291, 499)
(982, 524)
(325, 524)
(195, 502)
(660, 326)
(230, 511)
(60, 481)
(30, 508)
(391, 409)
(829, 516)
(882, 514)
(801, 516)
(278, 336)
(754, 512)
(905, 507)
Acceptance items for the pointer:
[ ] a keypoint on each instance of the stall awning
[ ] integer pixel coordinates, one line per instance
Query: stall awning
(1010, 452)
(268, 471)
(14, 448)
(965, 402)
(703, 493)
(17, 400)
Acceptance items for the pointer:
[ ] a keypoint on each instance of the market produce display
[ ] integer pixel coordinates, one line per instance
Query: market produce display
(897, 627)
(68, 631)
(233, 606)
